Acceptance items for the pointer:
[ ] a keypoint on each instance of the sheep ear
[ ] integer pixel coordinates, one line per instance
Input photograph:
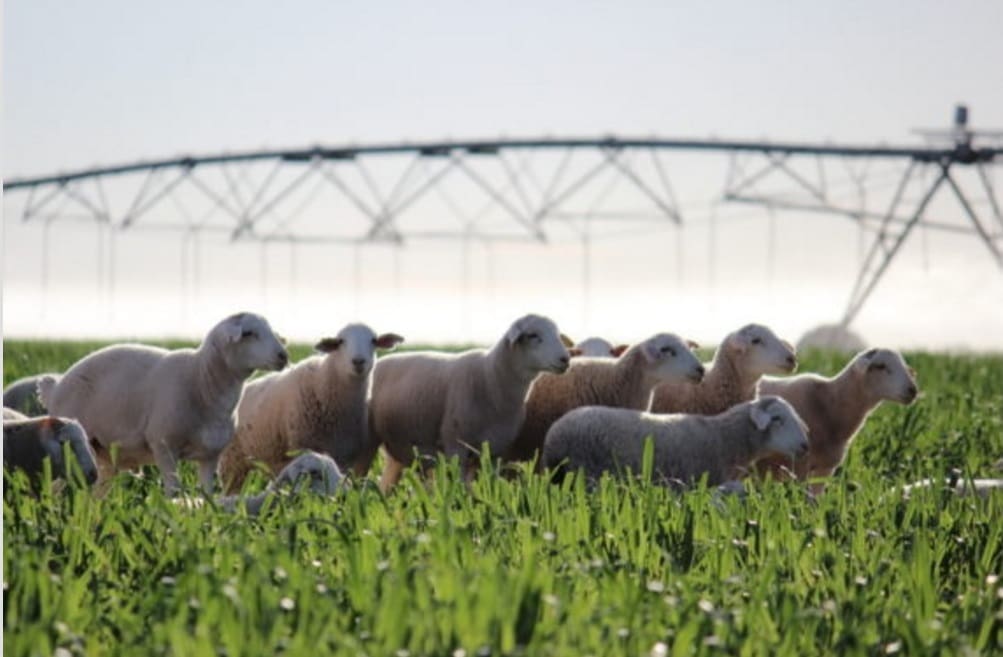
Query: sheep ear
(737, 342)
(618, 350)
(692, 344)
(574, 351)
(327, 345)
(234, 328)
(864, 360)
(651, 351)
(760, 418)
(514, 333)
(387, 340)
(566, 341)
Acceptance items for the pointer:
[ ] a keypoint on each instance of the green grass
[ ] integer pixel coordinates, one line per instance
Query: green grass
(522, 567)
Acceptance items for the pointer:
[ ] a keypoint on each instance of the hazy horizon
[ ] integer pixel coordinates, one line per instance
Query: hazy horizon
(113, 82)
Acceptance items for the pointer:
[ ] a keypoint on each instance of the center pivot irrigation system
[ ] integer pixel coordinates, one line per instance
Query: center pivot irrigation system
(532, 183)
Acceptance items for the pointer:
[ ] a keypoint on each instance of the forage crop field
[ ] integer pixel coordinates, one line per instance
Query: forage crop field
(514, 565)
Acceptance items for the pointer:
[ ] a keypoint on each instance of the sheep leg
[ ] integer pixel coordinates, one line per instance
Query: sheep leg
(168, 466)
(207, 474)
(391, 474)
(364, 460)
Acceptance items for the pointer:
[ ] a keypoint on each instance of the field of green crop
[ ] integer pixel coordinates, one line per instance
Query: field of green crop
(518, 566)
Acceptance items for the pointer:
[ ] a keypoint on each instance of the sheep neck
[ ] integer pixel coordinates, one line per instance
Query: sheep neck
(219, 384)
(633, 381)
(737, 438)
(853, 402)
(509, 383)
(728, 380)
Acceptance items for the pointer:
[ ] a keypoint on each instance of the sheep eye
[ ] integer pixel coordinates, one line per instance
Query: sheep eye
(879, 366)
(779, 421)
(669, 350)
(757, 340)
(246, 334)
(532, 336)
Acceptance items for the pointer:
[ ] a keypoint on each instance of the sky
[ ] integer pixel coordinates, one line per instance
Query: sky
(111, 82)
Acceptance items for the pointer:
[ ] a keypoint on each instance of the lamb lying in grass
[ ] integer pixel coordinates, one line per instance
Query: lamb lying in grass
(597, 440)
(309, 472)
(835, 408)
(740, 360)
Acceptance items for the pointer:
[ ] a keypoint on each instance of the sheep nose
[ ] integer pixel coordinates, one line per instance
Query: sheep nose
(565, 359)
(912, 391)
(283, 358)
(792, 361)
(701, 371)
(358, 363)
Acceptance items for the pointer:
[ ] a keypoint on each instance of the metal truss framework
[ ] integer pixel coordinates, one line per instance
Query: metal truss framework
(524, 196)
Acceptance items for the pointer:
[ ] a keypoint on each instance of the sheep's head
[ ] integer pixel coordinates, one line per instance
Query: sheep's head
(248, 343)
(353, 350)
(670, 358)
(883, 374)
(72, 433)
(783, 429)
(760, 351)
(598, 348)
(58, 439)
(316, 472)
(539, 345)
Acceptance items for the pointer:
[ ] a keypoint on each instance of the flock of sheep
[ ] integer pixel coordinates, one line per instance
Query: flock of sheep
(534, 395)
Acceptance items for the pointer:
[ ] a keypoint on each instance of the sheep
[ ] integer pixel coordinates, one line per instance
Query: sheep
(316, 473)
(835, 408)
(28, 442)
(320, 404)
(624, 383)
(597, 439)
(598, 347)
(22, 395)
(158, 406)
(432, 402)
(740, 360)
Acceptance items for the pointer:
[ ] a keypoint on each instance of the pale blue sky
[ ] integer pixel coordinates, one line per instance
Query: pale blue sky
(106, 82)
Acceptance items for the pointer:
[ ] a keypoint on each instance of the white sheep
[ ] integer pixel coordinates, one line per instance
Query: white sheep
(160, 406)
(835, 408)
(596, 347)
(320, 404)
(22, 395)
(310, 472)
(740, 360)
(597, 439)
(625, 382)
(433, 402)
(28, 442)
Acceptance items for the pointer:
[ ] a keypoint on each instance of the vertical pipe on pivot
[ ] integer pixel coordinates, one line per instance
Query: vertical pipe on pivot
(45, 268)
(263, 268)
(712, 255)
(357, 279)
(110, 271)
(465, 283)
(586, 277)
